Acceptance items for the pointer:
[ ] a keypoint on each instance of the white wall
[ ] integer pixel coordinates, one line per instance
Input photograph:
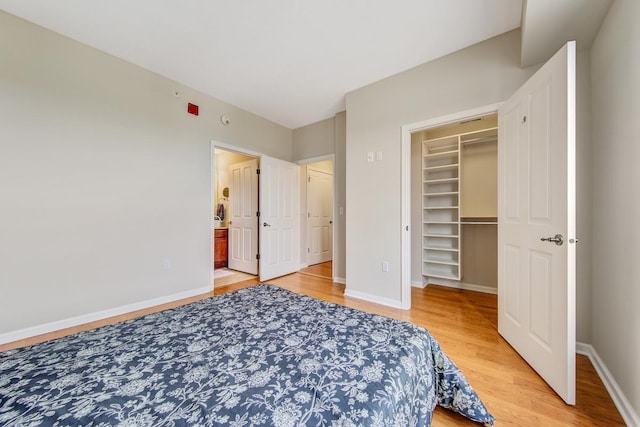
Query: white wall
(103, 175)
(480, 75)
(615, 77)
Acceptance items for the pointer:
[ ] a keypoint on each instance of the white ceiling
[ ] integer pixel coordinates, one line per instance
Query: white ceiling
(292, 61)
(549, 24)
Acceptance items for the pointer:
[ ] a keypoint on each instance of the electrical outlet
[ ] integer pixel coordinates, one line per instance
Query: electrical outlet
(371, 157)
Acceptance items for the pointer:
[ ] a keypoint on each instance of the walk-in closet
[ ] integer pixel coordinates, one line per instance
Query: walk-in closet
(458, 200)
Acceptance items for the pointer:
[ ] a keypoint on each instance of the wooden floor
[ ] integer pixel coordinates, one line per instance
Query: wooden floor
(324, 269)
(234, 277)
(464, 322)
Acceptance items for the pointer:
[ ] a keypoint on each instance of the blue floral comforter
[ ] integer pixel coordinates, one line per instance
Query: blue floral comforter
(260, 356)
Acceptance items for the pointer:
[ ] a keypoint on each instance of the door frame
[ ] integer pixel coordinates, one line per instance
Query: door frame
(305, 162)
(212, 149)
(405, 230)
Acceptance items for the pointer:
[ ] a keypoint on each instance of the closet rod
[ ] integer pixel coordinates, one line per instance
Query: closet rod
(479, 140)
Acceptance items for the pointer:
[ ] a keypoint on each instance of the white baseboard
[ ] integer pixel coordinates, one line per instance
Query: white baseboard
(419, 284)
(629, 415)
(461, 285)
(340, 280)
(99, 315)
(372, 298)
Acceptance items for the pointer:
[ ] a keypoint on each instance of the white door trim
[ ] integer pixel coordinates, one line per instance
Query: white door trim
(315, 159)
(405, 230)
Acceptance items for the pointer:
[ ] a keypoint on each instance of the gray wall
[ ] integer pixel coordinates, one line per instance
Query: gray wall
(339, 228)
(480, 75)
(103, 176)
(314, 140)
(416, 209)
(615, 77)
(584, 191)
(328, 137)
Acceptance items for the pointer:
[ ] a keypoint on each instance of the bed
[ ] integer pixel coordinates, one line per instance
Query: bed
(258, 356)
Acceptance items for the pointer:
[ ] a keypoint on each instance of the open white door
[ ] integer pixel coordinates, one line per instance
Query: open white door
(279, 218)
(243, 221)
(536, 201)
(319, 216)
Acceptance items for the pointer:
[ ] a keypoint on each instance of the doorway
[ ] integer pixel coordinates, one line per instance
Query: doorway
(235, 224)
(406, 152)
(318, 206)
(275, 244)
(454, 175)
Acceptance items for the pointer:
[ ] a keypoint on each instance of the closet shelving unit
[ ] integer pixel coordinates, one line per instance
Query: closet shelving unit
(441, 216)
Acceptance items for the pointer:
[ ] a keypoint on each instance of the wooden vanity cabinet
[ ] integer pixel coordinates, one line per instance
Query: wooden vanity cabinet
(220, 247)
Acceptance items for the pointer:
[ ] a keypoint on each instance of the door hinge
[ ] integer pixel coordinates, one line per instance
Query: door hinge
(308, 250)
(309, 179)
(308, 214)
(257, 256)
(258, 171)
(258, 213)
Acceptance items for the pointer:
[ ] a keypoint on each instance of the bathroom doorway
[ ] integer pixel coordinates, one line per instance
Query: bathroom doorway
(235, 223)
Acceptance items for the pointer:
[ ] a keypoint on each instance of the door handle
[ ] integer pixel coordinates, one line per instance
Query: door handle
(330, 222)
(266, 225)
(557, 239)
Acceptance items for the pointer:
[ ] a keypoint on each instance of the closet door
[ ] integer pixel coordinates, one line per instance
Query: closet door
(537, 222)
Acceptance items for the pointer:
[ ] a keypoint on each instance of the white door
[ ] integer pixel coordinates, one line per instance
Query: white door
(536, 200)
(243, 220)
(279, 218)
(319, 216)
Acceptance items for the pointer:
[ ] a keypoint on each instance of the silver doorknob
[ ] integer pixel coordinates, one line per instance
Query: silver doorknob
(266, 225)
(557, 239)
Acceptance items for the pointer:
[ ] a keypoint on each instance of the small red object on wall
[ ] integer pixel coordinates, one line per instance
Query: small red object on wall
(192, 109)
